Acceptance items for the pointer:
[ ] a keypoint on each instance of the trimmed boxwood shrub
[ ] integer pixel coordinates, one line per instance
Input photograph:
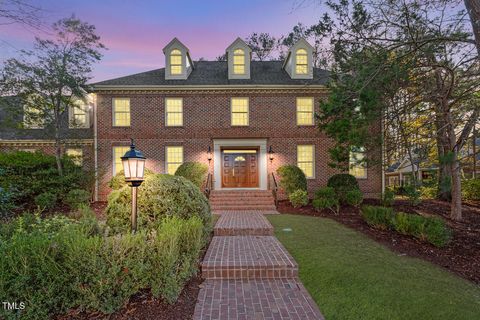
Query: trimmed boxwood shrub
(354, 197)
(292, 178)
(298, 198)
(342, 183)
(326, 198)
(471, 189)
(193, 171)
(46, 200)
(64, 265)
(160, 195)
(118, 181)
(378, 217)
(77, 197)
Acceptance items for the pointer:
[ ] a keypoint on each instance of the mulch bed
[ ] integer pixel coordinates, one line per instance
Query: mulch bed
(144, 306)
(460, 256)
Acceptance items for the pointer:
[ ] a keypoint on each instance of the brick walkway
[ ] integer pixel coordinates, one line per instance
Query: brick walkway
(248, 272)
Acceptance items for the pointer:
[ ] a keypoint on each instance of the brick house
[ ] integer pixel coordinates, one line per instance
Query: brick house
(19, 131)
(240, 113)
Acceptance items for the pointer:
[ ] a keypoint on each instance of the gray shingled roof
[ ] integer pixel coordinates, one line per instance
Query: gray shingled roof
(216, 73)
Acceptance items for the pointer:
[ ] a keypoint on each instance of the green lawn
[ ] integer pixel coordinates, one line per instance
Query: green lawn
(352, 277)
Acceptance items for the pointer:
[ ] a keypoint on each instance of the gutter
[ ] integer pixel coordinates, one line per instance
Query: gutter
(95, 144)
(97, 88)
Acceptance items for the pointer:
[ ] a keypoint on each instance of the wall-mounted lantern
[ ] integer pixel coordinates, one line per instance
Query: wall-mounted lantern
(133, 163)
(270, 154)
(209, 154)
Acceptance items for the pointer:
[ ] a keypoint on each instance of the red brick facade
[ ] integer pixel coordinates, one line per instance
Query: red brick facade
(206, 114)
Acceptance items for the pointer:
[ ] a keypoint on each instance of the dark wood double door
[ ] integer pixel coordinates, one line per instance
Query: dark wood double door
(240, 168)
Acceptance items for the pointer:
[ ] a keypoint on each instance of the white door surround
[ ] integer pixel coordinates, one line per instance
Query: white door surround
(261, 144)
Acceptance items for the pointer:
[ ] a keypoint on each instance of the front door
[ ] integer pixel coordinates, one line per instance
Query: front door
(239, 168)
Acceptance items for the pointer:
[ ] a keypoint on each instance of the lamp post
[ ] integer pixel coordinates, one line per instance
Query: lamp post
(133, 162)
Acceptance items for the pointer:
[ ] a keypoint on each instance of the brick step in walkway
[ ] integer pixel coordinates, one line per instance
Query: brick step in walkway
(219, 212)
(234, 223)
(260, 207)
(259, 200)
(255, 299)
(247, 257)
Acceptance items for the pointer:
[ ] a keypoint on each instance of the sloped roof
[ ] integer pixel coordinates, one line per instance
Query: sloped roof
(216, 73)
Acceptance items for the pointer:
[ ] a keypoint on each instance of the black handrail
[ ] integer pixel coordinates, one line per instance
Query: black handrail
(208, 185)
(274, 187)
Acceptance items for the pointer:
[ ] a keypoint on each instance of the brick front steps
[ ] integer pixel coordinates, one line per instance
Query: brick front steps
(247, 257)
(234, 223)
(224, 200)
(255, 299)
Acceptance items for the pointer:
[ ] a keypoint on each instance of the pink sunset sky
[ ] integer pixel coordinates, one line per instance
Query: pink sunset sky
(136, 31)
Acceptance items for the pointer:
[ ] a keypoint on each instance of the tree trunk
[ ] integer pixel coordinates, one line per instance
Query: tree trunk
(473, 8)
(58, 144)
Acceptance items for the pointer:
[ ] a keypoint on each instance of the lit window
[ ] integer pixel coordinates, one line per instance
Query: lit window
(304, 111)
(76, 155)
(239, 61)
(239, 111)
(305, 160)
(174, 158)
(173, 112)
(301, 61)
(121, 112)
(79, 115)
(118, 153)
(175, 62)
(357, 165)
(32, 118)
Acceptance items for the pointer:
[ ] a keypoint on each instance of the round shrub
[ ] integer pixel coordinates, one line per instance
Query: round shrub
(292, 178)
(76, 198)
(193, 171)
(342, 183)
(471, 189)
(298, 198)
(160, 195)
(354, 197)
(118, 181)
(46, 200)
(326, 198)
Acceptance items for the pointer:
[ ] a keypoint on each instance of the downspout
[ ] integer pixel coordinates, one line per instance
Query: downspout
(95, 144)
(382, 157)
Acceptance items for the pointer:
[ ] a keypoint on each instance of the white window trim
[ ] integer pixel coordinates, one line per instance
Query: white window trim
(166, 156)
(313, 160)
(166, 113)
(244, 55)
(296, 62)
(231, 112)
(313, 112)
(113, 112)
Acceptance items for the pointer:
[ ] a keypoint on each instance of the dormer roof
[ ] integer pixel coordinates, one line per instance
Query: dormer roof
(233, 54)
(290, 61)
(186, 61)
(239, 43)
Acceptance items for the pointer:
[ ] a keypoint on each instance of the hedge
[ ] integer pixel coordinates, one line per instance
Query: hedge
(292, 179)
(57, 264)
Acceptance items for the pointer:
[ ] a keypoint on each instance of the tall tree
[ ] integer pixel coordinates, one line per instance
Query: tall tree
(473, 8)
(262, 45)
(53, 76)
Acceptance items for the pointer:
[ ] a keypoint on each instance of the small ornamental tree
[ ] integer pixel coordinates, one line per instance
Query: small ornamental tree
(53, 77)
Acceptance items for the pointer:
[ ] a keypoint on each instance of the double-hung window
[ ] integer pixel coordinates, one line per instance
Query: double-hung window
(121, 112)
(239, 61)
(306, 160)
(357, 166)
(239, 110)
(301, 58)
(176, 62)
(305, 111)
(173, 158)
(174, 112)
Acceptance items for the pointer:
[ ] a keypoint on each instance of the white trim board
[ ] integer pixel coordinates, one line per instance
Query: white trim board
(218, 144)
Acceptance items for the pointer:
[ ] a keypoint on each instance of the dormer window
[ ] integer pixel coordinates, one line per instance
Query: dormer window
(239, 61)
(301, 62)
(176, 62)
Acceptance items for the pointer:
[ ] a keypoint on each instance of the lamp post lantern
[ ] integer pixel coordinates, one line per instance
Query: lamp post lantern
(270, 154)
(133, 162)
(209, 154)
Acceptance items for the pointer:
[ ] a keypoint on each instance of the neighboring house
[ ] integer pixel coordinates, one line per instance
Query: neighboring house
(20, 131)
(241, 110)
(400, 173)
